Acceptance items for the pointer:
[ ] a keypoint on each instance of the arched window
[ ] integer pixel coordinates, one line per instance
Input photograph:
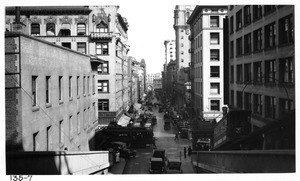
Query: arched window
(65, 30)
(50, 29)
(101, 27)
(35, 29)
(81, 29)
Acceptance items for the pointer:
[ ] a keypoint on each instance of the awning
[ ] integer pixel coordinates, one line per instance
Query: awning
(137, 106)
(124, 120)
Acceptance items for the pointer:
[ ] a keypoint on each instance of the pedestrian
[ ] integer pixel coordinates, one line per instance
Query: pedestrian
(184, 152)
(153, 143)
(176, 137)
(189, 151)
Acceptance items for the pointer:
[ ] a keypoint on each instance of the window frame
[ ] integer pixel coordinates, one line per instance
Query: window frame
(101, 103)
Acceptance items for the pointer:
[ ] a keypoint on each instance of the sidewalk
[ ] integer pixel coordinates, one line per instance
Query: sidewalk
(117, 168)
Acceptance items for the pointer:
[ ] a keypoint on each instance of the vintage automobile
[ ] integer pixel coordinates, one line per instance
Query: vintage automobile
(174, 166)
(157, 165)
(167, 125)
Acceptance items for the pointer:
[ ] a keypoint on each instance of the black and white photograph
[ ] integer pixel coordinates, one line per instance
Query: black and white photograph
(149, 90)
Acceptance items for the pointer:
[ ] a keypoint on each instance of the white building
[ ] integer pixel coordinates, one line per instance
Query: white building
(207, 61)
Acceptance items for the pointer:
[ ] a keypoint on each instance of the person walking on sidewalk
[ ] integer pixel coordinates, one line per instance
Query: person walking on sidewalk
(189, 151)
(184, 152)
(176, 137)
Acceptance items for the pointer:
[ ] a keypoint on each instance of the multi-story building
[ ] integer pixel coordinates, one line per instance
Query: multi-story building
(207, 61)
(183, 57)
(157, 85)
(170, 55)
(262, 60)
(95, 30)
(51, 100)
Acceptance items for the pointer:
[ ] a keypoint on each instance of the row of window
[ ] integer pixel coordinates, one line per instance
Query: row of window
(257, 103)
(253, 42)
(101, 48)
(65, 29)
(49, 82)
(69, 130)
(244, 16)
(214, 88)
(268, 71)
(214, 72)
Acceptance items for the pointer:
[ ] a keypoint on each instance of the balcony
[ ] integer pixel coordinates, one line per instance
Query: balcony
(101, 35)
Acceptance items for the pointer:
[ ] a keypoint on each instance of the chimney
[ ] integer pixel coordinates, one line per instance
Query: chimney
(18, 26)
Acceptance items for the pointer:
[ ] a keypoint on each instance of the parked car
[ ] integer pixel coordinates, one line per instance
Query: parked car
(157, 165)
(174, 166)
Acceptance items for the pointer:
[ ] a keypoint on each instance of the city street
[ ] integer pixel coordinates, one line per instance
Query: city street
(165, 140)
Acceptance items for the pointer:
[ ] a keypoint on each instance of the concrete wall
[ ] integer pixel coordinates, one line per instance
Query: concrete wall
(57, 163)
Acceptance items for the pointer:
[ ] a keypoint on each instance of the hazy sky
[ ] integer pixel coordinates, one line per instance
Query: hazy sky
(149, 25)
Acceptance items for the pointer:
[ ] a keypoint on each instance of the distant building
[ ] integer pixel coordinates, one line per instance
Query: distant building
(207, 62)
(262, 61)
(157, 84)
(183, 56)
(170, 55)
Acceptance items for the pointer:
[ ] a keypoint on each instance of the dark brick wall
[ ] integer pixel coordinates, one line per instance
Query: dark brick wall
(12, 96)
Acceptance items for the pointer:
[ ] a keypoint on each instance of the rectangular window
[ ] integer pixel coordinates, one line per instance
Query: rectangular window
(81, 29)
(248, 101)
(83, 85)
(50, 29)
(66, 44)
(269, 9)
(270, 103)
(214, 71)
(103, 86)
(35, 29)
(239, 73)
(231, 74)
(257, 72)
(247, 73)
(285, 106)
(232, 98)
(34, 90)
(93, 84)
(214, 54)
(270, 35)
(286, 70)
(257, 12)
(77, 86)
(257, 40)
(215, 105)
(231, 49)
(239, 46)
(239, 99)
(286, 30)
(214, 21)
(81, 47)
(88, 84)
(214, 88)
(270, 71)
(70, 86)
(257, 104)
(239, 20)
(214, 38)
(35, 141)
(103, 105)
(61, 134)
(47, 89)
(247, 15)
(49, 139)
(60, 87)
(247, 43)
(71, 129)
(231, 25)
(102, 48)
(78, 123)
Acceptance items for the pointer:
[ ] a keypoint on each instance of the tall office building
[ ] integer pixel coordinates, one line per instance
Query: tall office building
(262, 61)
(207, 62)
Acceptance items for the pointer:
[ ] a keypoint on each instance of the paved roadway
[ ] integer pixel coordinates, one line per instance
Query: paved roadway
(165, 140)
